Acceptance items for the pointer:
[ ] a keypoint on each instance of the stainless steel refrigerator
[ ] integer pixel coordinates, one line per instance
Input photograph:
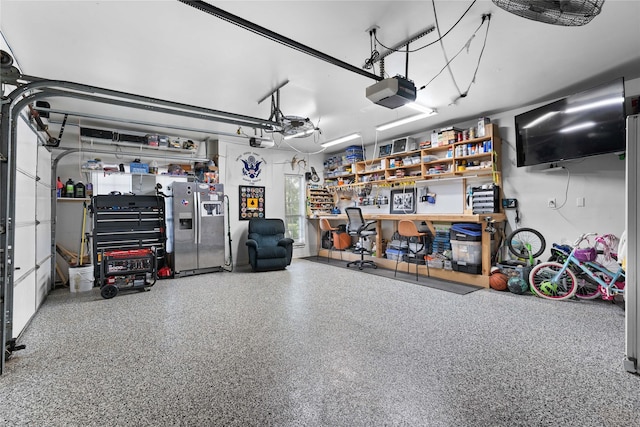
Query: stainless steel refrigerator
(198, 228)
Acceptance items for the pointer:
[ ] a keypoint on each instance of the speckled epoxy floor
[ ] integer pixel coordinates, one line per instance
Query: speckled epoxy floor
(318, 345)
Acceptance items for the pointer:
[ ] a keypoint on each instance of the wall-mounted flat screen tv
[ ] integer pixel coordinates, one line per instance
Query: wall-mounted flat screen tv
(584, 124)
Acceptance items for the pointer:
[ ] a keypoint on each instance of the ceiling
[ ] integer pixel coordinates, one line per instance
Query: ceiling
(171, 51)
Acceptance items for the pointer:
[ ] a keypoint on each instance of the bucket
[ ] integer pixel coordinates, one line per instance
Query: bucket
(81, 278)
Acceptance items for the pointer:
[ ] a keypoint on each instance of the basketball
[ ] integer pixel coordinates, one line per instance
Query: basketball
(498, 281)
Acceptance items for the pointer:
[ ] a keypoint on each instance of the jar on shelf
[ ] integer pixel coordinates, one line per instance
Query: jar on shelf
(79, 190)
(153, 168)
(69, 188)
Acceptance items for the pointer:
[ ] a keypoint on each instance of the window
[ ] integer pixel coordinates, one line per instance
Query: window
(294, 208)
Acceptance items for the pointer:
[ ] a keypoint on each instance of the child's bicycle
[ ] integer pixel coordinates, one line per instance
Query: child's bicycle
(558, 281)
(527, 244)
(588, 288)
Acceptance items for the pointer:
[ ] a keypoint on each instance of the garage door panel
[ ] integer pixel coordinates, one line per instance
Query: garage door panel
(43, 239)
(43, 233)
(23, 252)
(43, 279)
(24, 302)
(27, 152)
(44, 165)
(44, 202)
(25, 199)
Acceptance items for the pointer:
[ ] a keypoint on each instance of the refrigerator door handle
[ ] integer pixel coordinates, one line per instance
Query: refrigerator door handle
(196, 217)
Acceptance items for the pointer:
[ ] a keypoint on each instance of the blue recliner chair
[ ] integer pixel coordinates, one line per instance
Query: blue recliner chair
(268, 248)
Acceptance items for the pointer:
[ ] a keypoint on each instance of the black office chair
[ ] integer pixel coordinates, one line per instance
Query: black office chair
(361, 229)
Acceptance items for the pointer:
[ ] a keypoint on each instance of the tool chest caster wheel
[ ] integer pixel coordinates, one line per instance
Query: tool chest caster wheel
(109, 291)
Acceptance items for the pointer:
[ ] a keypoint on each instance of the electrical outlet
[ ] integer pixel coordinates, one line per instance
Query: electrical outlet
(551, 203)
(580, 202)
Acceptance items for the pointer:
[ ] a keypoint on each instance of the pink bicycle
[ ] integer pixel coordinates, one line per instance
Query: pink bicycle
(579, 274)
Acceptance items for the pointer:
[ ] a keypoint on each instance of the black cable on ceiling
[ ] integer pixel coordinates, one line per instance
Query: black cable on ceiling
(433, 42)
(484, 44)
(485, 18)
(444, 52)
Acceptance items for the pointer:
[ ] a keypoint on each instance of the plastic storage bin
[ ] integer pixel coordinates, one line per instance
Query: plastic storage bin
(485, 200)
(467, 252)
(466, 267)
(441, 241)
(466, 231)
(395, 254)
(522, 270)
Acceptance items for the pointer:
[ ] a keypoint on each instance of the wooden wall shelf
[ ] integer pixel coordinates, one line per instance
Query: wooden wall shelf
(443, 161)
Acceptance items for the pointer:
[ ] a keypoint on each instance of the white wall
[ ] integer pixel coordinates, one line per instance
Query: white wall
(277, 163)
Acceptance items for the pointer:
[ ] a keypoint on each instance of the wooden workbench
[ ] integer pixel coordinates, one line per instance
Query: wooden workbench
(429, 219)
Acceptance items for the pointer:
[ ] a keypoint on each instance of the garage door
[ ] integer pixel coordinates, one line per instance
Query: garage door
(32, 250)
(32, 231)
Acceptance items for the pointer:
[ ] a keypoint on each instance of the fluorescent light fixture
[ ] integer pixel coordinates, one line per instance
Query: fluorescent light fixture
(341, 140)
(300, 134)
(540, 119)
(574, 128)
(597, 104)
(421, 108)
(404, 121)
